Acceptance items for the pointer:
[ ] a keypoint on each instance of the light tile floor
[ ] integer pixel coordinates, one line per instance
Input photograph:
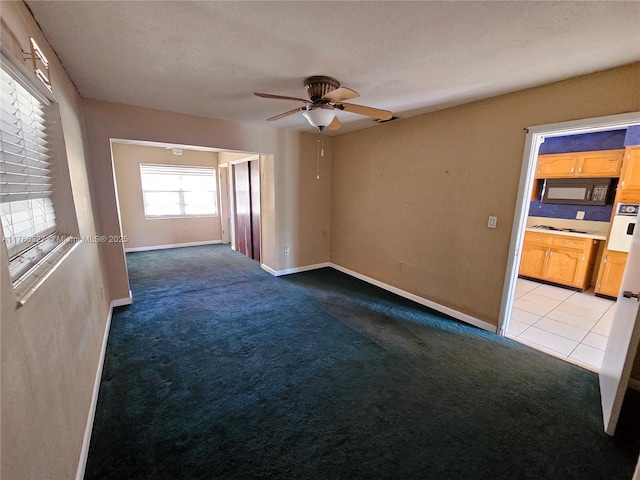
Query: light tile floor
(567, 324)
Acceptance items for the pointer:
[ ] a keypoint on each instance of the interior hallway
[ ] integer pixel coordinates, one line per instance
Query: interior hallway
(564, 323)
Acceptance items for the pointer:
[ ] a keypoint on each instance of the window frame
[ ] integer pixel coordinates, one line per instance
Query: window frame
(37, 260)
(181, 203)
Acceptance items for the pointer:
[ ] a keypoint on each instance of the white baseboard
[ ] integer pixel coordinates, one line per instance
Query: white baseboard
(175, 245)
(84, 452)
(268, 269)
(121, 302)
(289, 271)
(422, 301)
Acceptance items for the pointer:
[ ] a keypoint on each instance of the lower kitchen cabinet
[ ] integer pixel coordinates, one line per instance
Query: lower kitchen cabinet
(533, 260)
(561, 259)
(610, 273)
(563, 266)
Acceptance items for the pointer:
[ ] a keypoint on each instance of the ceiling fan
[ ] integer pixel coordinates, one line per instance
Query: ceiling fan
(326, 97)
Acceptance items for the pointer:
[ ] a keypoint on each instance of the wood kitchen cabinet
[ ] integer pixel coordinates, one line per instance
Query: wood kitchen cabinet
(596, 164)
(533, 258)
(561, 259)
(613, 263)
(610, 273)
(629, 186)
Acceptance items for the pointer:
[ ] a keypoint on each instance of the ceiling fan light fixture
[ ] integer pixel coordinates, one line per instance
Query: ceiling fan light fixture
(319, 117)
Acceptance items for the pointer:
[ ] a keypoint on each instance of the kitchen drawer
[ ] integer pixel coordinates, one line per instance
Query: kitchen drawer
(571, 242)
(537, 238)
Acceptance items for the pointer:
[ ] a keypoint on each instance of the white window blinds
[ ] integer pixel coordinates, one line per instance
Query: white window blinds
(178, 191)
(25, 167)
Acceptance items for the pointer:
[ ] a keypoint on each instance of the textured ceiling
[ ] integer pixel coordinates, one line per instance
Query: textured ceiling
(207, 58)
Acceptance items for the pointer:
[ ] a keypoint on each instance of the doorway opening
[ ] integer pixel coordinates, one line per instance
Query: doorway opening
(198, 217)
(536, 309)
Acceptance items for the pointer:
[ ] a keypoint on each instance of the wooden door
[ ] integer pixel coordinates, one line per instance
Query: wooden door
(254, 180)
(562, 266)
(600, 164)
(610, 274)
(242, 197)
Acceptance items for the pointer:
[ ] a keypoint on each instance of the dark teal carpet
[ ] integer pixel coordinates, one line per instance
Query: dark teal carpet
(219, 370)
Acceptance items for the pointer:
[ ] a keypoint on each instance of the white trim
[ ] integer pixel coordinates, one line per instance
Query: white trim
(84, 452)
(175, 245)
(422, 301)
(121, 302)
(268, 269)
(535, 136)
(289, 271)
(249, 158)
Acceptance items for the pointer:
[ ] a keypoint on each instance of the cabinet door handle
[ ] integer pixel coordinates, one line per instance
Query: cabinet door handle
(572, 169)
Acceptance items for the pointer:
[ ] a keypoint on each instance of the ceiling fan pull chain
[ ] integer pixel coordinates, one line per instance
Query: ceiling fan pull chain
(320, 153)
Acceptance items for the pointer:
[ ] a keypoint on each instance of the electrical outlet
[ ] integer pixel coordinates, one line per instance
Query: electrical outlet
(493, 222)
(580, 215)
(286, 250)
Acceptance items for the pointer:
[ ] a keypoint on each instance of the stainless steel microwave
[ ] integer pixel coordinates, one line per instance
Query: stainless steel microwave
(578, 191)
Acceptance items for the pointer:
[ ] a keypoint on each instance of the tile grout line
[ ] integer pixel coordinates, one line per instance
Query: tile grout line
(538, 291)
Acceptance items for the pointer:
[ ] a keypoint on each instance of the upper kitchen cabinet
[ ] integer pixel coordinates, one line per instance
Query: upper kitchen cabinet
(596, 164)
(556, 165)
(629, 186)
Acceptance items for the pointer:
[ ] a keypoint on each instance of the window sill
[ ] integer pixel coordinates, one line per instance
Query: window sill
(25, 286)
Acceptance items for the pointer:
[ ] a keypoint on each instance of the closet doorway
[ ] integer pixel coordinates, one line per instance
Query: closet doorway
(246, 207)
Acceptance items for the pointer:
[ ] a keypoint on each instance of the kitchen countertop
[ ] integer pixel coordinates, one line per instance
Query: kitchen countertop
(595, 236)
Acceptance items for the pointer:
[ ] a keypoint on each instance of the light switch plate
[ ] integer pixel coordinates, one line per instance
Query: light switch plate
(493, 221)
(580, 215)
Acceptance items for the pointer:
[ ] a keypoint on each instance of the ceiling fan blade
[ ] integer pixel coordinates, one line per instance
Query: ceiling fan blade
(280, 97)
(334, 125)
(341, 94)
(286, 114)
(368, 111)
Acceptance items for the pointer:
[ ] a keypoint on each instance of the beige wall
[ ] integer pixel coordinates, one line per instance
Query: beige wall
(143, 232)
(418, 192)
(50, 347)
(301, 204)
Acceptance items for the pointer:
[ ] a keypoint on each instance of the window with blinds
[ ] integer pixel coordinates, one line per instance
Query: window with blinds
(27, 183)
(178, 191)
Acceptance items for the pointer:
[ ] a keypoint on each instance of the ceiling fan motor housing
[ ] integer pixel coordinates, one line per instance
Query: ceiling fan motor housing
(318, 86)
